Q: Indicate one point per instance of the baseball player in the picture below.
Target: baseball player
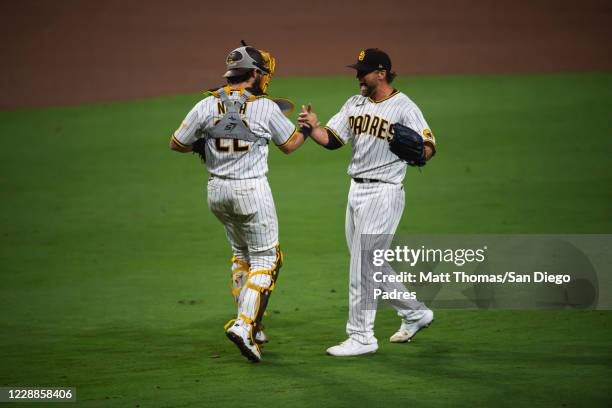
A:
(376, 197)
(231, 129)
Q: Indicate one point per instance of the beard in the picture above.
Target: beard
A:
(255, 89)
(366, 89)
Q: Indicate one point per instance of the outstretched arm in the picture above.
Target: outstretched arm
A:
(293, 143)
(308, 120)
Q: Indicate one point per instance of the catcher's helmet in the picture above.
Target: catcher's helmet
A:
(244, 59)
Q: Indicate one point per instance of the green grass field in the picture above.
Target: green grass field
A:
(115, 274)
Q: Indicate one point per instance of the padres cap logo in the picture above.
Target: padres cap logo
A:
(361, 56)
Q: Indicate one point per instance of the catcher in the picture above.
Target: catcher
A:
(230, 129)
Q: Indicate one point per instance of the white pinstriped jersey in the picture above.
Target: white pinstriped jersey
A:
(236, 159)
(368, 125)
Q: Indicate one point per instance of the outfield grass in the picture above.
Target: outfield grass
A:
(114, 273)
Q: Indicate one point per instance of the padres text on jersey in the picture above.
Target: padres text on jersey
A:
(368, 125)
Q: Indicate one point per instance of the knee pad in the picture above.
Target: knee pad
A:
(269, 259)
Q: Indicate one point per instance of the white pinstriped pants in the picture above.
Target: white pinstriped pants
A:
(373, 208)
(246, 210)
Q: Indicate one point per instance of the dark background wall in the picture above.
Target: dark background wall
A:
(73, 51)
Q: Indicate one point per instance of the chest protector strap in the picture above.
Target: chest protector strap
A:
(231, 125)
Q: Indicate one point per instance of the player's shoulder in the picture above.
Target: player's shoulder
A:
(355, 100)
(396, 97)
(203, 106)
(266, 106)
(208, 99)
(264, 100)
(401, 97)
(403, 100)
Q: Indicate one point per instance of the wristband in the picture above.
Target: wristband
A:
(306, 131)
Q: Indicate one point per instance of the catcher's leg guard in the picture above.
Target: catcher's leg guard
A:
(254, 297)
(240, 271)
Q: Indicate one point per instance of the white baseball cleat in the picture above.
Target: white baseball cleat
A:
(261, 338)
(408, 330)
(350, 347)
(242, 338)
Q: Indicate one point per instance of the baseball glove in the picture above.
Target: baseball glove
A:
(199, 148)
(407, 145)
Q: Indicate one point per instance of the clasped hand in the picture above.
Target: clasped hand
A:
(307, 118)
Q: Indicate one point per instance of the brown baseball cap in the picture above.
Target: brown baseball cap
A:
(372, 59)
